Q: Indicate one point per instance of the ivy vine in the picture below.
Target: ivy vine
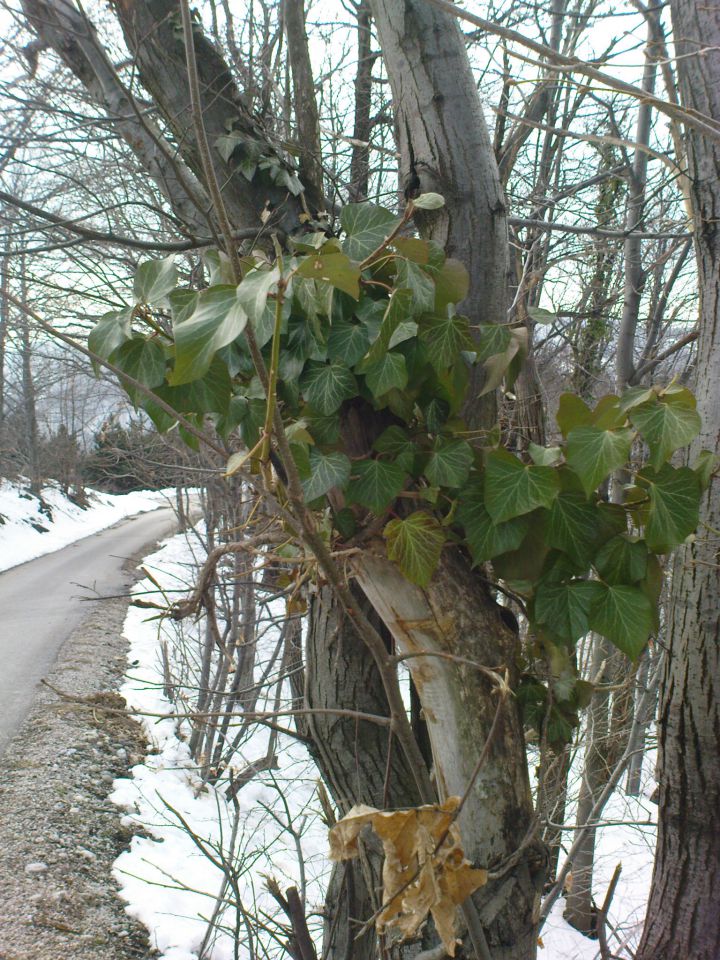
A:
(368, 321)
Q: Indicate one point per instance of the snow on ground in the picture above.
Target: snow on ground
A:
(31, 527)
(172, 886)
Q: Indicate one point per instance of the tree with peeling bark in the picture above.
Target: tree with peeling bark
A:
(358, 354)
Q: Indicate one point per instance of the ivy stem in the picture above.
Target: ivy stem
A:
(273, 371)
(407, 214)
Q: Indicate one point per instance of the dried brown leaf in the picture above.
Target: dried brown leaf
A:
(420, 874)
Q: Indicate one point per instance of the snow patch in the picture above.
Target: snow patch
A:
(32, 526)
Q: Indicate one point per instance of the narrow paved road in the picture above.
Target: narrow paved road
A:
(41, 605)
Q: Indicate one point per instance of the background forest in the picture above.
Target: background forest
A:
(423, 299)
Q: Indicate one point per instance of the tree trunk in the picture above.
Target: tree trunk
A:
(357, 759)
(683, 920)
(445, 630)
(445, 147)
(362, 128)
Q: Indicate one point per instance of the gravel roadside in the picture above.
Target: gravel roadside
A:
(59, 834)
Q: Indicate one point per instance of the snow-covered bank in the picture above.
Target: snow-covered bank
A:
(31, 527)
(172, 886)
(168, 882)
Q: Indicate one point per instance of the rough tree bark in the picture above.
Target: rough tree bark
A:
(683, 920)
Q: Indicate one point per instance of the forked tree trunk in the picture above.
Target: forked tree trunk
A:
(683, 920)
(446, 629)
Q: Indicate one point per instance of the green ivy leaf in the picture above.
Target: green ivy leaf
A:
(572, 526)
(594, 453)
(399, 309)
(449, 463)
(565, 607)
(572, 412)
(324, 429)
(375, 484)
(622, 560)
(335, 269)
(429, 201)
(415, 544)
(325, 386)
(217, 320)
(254, 289)
(385, 374)
(395, 442)
(544, 456)
(705, 466)
(327, 470)
(666, 424)
(366, 226)
(512, 488)
(142, 359)
(452, 283)
(412, 277)
(541, 315)
(486, 539)
(110, 332)
(623, 614)
(634, 396)
(154, 280)
(445, 338)
(674, 505)
(209, 394)
(348, 342)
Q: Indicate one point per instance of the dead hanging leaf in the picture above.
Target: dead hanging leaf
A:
(417, 878)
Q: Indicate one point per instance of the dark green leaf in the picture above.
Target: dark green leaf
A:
(486, 539)
(325, 386)
(666, 424)
(110, 332)
(420, 285)
(594, 453)
(154, 280)
(565, 607)
(623, 614)
(415, 544)
(327, 470)
(335, 269)
(398, 311)
(366, 227)
(348, 342)
(217, 320)
(144, 360)
(385, 374)
(512, 488)
(446, 338)
(572, 526)
(449, 463)
(395, 442)
(622, 560)
(210, 394)
(674, 505)
(375, 484)
(345, 523)
(572, 412)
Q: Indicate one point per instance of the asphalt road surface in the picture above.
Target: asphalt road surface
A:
(41, 604)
